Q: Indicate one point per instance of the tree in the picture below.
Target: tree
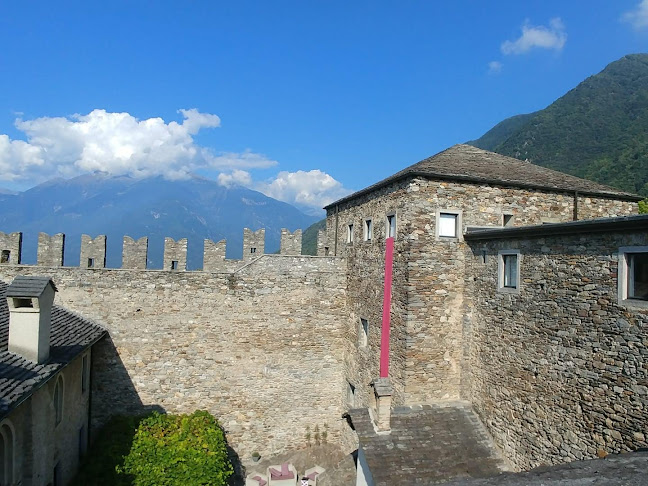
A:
(643, 206)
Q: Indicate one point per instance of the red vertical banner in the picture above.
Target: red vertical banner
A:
(386, 315)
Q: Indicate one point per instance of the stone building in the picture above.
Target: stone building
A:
(45, 354)
(468, 278)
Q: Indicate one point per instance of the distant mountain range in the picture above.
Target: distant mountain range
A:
(598, 130)
(195, 208)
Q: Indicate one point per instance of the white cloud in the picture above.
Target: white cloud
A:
(494, 67)
(117, 144)
(551, 37)
(235, 178)
(308, 190)
(637, 17)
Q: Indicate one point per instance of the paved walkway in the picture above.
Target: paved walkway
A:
(428, 444)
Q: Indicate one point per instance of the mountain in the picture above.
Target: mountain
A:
(598, 130)
(309, 237)
(195, 208)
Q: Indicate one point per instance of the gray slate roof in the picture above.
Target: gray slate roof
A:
(428, 444)
(19, 378)
(24, 286)
(470, 164)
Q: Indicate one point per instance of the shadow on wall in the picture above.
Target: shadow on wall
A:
(113, 392)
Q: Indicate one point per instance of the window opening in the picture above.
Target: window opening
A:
(85, 373)
(326, 251)
(637, 276)
(91, 262)
(6, 454)
(507, 220)
(391, 226)
(350, 233)
(253, 250)
(448, 225)
(6, 254)
(510, 271)
(22, 303)
(350, 394)
(174, 264)
(363, 332)
(368, 230)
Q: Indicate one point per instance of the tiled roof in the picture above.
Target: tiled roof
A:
(427, 444)
(471, 164)
(19, 378)
(24, 286)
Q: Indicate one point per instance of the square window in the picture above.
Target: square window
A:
(368, 230)
(509, 271)
(507, 219)
(91, 262)
(252, 250)
(391, 226)
(363, 332)
(350, 233)
(6, 256)
(633, 276)
(448, 225)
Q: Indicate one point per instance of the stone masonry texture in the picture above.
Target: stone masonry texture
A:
(291, 243)
(248, 346)
(253, 243)
(50, 249)
(559, 371)
(93, 251)
(10, 247)
(135, 253)
(175, 251)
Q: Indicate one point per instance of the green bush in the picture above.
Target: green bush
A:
(179, 450)
(159, 449)
(643, 206)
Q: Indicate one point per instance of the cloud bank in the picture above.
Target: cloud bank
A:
(117, 144)
(120, 144)
(638, 17)
(541, 37)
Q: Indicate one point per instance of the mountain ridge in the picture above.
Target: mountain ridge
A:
(598, 130)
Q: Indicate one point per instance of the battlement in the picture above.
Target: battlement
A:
(51, 250)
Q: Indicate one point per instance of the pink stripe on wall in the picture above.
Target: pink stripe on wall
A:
(384, 336)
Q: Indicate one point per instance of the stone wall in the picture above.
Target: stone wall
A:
(93, 251)
(50, 249)
(291, 243)
(428, 351)
(214, 255)
(559, 369)
(135, 253)
(10, 246)
(261, 348)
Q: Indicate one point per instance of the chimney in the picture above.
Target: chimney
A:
(30, 302)
(381, 405)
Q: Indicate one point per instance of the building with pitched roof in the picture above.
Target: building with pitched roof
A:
(45, 354)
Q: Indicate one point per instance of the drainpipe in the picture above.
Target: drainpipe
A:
(575, 206)
(336, 229)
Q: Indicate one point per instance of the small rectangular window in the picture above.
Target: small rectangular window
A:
(391, 226)
(368, 230)
(507, 220)
(252, 250)
(6, 256)
(91, 262)
(326, 251)
(19, 303)
(363, 332)
(509, 271)
(448, 225)
(350, 233)
(637, 276)
(174, 264)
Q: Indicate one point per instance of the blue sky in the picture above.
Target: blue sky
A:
(303, 100)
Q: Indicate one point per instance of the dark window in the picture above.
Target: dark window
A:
(391, 226)
(363, 332)
(351, 394)
(507, 220)
(90, 262)
(22, 303)
(326, 251)
(252, 250)
(6, 255)
(174, 264)
(637, 276)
